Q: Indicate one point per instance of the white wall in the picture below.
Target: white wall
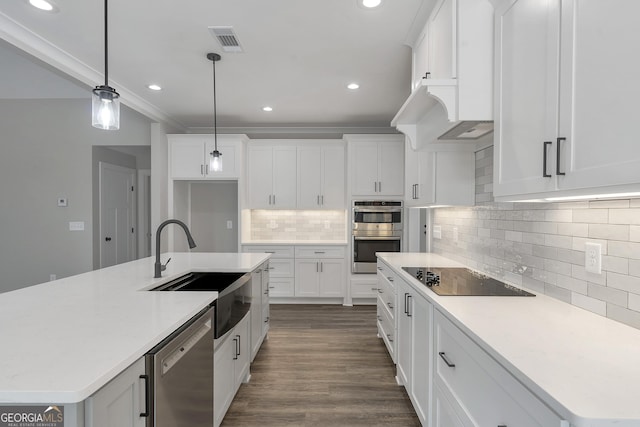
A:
(46, 153)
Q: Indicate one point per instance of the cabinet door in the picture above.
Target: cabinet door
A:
(442, 39)
(260, 177)
(420, 58)
(309, 177)
(527, 72)
(256, 311)
(427, 167)
(599, 97)
(443, 413)
(223, 379)
(411, 163)
(332, 277)
(405, 331)
(284, 178)
(187, 159)
(228, 153)
(118, 403)
(333, 178)
(243, 351)
(364, 169)
(307, 283)
(421, 355)
(391, 168)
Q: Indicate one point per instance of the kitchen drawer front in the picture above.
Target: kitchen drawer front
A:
(265, 319)
(387, 299)
(283, 287)
(320, 252)
(386, 277)
(387, 331)
(281, 268)
(276, 251)
(364, 289)
(486, 391)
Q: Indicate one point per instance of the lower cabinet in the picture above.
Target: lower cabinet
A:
(480, 391)
(259, 307)
(414, 345)
(231, 367)
(120, 402)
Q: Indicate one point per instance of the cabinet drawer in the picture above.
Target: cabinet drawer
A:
(276, 251)
(385, 272)
(281, 268)
(281, 287)
(320, 252)
(387, 331)
(387, 300)
(489, 394)
(364, 289)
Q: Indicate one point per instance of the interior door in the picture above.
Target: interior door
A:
(117, 214)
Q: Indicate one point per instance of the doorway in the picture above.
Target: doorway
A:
(117, 212)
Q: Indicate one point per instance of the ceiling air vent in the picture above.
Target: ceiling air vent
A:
(227, 38)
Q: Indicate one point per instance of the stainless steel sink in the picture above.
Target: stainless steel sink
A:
(201, 282)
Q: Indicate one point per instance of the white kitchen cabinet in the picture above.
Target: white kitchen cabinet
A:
(439, 178)
(259, 307)
(321, 177)
(189, 156)
(231, 367)
(320, 271)
(479, 386)
(281, 268)
(271, 176)
(414, 347)
(444, 414)
(377, 164)
(387, 308)
(563, 127)
(120, 402)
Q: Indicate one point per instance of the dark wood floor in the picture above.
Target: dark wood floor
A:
(322, 365)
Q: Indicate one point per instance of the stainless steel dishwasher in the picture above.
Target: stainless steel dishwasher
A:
(179, 376)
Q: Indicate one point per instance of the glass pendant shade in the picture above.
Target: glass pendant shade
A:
(105, 108)
(215, 161)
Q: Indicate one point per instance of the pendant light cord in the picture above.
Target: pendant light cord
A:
(215, 119)
(106, 47)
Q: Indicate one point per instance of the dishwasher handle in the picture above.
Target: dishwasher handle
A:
(175, 356)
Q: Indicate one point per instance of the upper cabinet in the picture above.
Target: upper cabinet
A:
(377, 164)
(437, 178)
(452, 76)
(189, 156)
(321, 175)
(565, 102)
(271, 176)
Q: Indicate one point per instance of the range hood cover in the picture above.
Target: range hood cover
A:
(468, 131)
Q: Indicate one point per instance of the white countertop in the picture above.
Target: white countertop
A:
(585, 366)
(296, 242)
(63, 340)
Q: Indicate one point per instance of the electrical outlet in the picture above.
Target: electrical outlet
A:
(593, 258)
(437, 232)
(273, 224)
(327, 225)
(455, 234)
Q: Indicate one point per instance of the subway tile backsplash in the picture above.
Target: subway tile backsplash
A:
(302, 225)
(541, 246)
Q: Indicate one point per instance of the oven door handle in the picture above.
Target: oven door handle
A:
(376, 238)
(380, 211)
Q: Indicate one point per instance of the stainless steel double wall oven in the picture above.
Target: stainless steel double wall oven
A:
(377, 227)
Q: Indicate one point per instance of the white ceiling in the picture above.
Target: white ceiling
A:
(298, 57)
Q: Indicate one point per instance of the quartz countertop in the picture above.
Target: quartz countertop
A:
(584, 366)
(64, 340)
(296, 242)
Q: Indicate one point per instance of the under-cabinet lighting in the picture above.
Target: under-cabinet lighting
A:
(593, 196)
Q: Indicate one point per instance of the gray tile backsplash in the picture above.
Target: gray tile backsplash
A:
(541, 246)
(304, 225)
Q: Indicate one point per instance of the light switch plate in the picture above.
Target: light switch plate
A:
(229, 224)
(437, 232)
(76, 225)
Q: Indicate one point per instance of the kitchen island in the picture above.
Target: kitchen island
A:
(581, 366)
(64, 340)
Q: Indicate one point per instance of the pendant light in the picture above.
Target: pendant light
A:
(215, 161)
(105, 105)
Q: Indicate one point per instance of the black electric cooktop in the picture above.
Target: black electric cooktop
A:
(462, 281)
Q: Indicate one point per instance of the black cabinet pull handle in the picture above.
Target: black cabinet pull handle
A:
(238, 344)
(406, 309)
(544, 159)
(558, 155)
(147, 396)
(409, 306)
(449, 364)
(235, 353)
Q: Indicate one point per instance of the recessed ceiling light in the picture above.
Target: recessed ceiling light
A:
(353, 86)
(154, 87)
(370, 3)
(267, 108)
(44, 5)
